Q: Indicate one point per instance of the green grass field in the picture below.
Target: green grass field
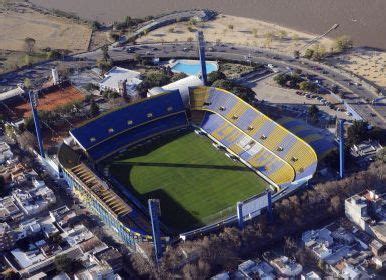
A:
(196, 183)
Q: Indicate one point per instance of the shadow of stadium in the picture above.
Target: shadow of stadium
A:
(176, 217)
(185, 165)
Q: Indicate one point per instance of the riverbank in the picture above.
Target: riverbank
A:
(237, 30)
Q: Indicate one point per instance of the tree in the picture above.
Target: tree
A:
(254, 32)
(313, 113)
(114, 36)
(105, 52)
(53, 54)
(26, 140)
(224, 84)
(95, 25)
(214, 76)
(319, 52)
(65, 264)
(2, 186)
(296, 54)
(382, 154)
(269, 36)
(94, 108)
(57, 239)
(343, 43)
(193, 21)
(230, 26)
(29, 44)
(309, 53)
(104, 65)
(27, 60)
(178, 76)
(282, 34)
(280, 79)
(295, 37)
(357, 132)
(27, 83)
(307, 86)
(290, 246)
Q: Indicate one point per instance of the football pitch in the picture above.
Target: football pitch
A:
(196, 183)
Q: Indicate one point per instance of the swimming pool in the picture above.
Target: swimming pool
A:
(192, 67)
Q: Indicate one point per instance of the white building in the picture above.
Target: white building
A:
(310, 276)
(5, 152)
(113, 79)
(367, 212)
(5, 96)
(286, 267)
(26, 259)
(35, 200)
(221, 276)
(182, 85)
(77, 235)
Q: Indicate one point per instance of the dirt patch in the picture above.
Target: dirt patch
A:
(237, 30)
(51, 101)
(98, 39)
(48, 31)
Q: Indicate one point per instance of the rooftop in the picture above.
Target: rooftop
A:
(286, 266)
(118, 74)
(11, 93)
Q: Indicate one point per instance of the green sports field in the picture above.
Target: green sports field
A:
(196, 183)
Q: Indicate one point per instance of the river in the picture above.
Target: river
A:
(363, 20)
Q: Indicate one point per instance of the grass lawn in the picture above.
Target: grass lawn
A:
(196, 183)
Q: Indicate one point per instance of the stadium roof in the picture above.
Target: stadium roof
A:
(116, 122)
(266, 133)
(183, 86)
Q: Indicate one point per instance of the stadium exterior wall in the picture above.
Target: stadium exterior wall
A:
(129, 237)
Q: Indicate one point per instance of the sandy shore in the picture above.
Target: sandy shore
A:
(238, 30)
(368, 63)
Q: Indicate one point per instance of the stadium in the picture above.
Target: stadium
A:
(200, 152)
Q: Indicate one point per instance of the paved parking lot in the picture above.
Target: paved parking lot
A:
(268, 91)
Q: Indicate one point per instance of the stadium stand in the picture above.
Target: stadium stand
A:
(316, 138)
(116, 130)
(281, 147)
(258, 156)
(128, 221)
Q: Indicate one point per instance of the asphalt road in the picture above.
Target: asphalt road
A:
(358, 97)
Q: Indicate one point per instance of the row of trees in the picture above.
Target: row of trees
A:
(294, 81)
(318, 51)
(313, 208)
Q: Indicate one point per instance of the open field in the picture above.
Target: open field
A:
(51, 101)
(48, 31)
(194, 181)
(238, 30)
